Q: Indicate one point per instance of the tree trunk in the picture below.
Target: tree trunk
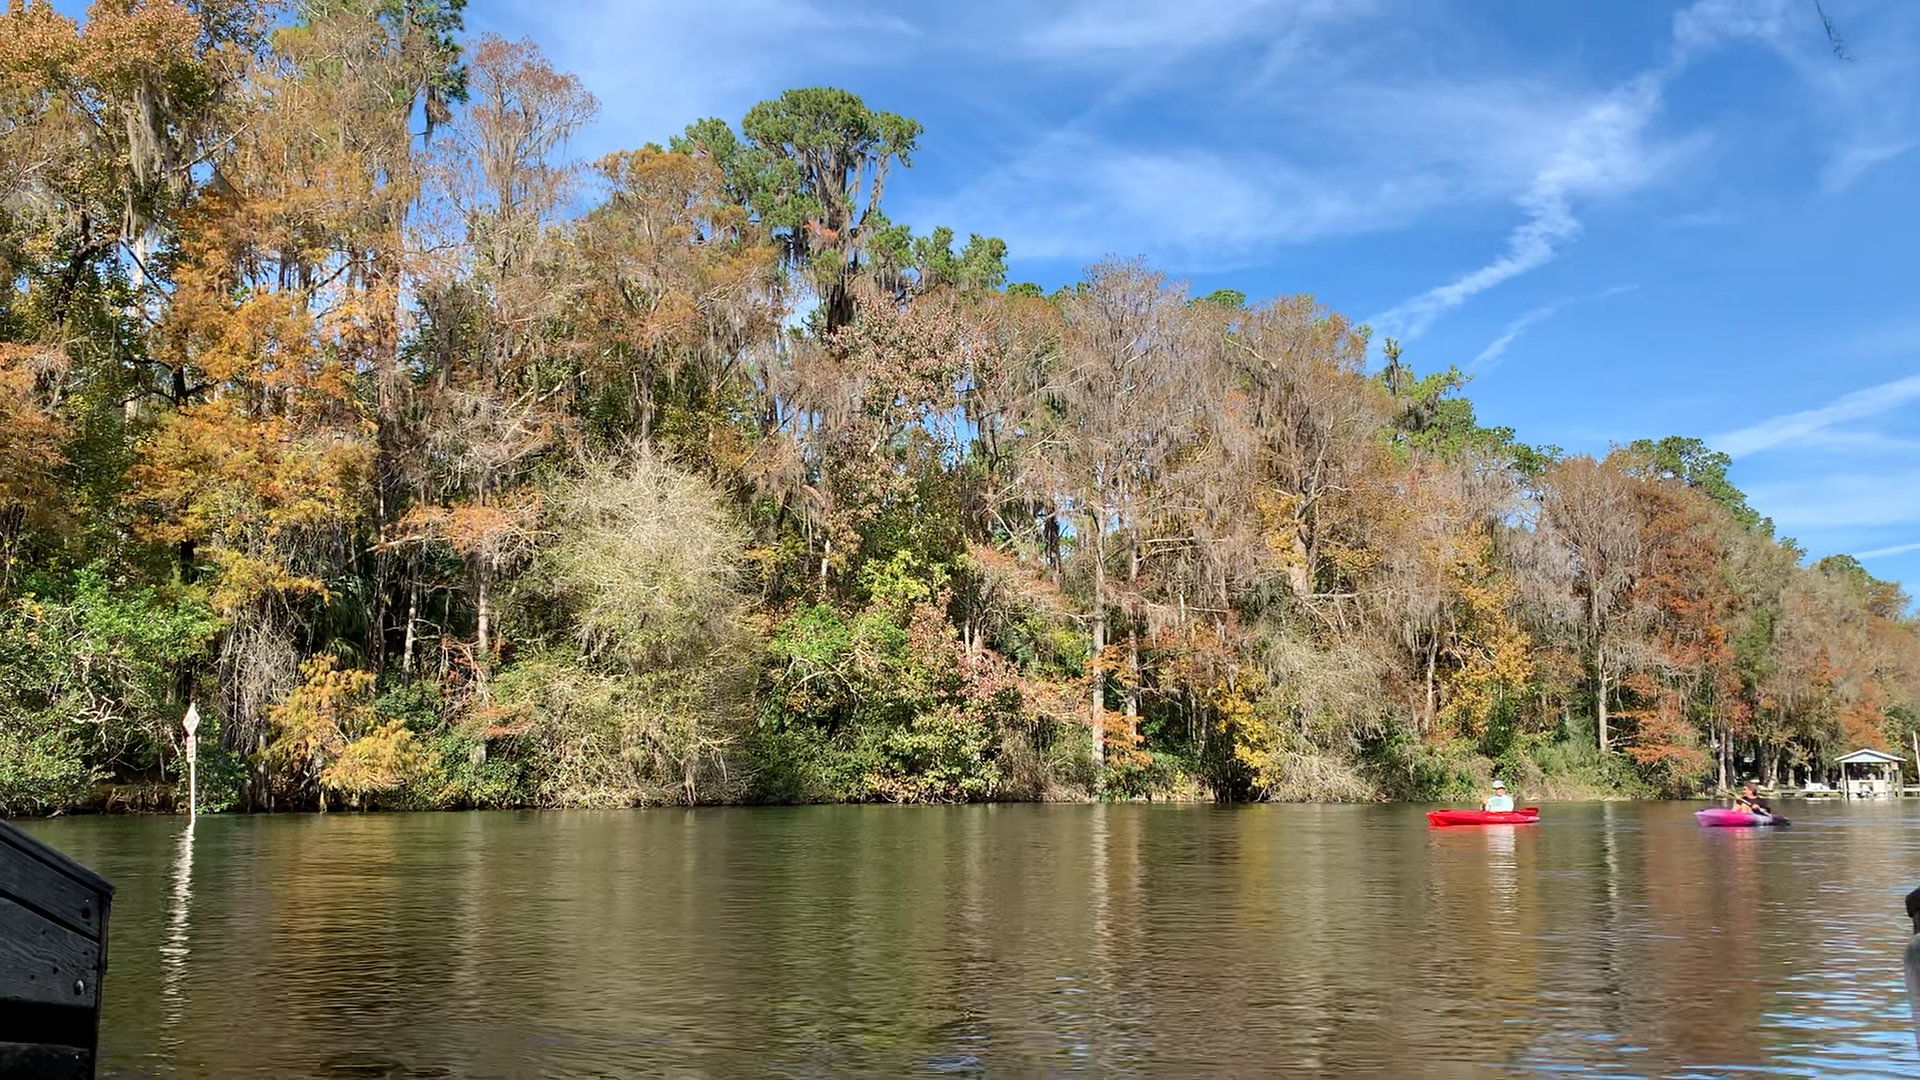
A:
(1133, 642)
(1099, 648)
(1594, 626)
(1600, 698)
(413, 624)
(646, 408)
(1433, 649)
(484, 615)
(1300, 570)
(1054, 562)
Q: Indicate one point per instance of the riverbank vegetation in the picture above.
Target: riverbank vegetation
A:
(444, 470)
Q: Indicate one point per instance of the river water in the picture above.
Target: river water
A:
(1609, 940)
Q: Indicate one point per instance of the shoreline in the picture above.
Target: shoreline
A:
(1621, 797)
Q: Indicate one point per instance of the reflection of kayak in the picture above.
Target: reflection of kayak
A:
(1526, 815)
(1729, 818)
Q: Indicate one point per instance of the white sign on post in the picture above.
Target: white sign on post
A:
(192, 724)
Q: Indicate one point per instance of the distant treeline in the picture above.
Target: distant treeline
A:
(442, 470)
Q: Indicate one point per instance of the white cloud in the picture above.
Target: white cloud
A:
(1792, 428)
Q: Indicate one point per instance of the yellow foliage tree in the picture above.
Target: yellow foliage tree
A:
(1490, 655)
(328, 735)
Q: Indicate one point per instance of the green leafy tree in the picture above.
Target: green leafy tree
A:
(1695, 464)
(813, 165)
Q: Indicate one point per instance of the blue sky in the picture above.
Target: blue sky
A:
(1623, 218)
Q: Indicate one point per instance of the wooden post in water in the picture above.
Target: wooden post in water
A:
(53, 952)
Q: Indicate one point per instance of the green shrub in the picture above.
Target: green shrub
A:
(42, 766)
(89, 671)
(466, 774)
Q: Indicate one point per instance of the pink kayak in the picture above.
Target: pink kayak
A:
(1526, 815)
(1727, 818)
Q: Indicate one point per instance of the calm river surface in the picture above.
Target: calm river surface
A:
(1609, 940)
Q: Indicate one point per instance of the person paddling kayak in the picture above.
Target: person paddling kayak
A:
(1748, 809)
(1499, 802)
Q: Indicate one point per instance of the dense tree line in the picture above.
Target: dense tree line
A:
(442, 469)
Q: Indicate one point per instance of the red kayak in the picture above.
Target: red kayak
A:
(1526, 815)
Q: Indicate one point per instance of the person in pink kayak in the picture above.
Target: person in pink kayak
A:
(1749, 800)
(1499, 802)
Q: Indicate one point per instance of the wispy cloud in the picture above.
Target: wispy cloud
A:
(1701, 219)
(1835, 505)
(1853, 161)
(1865, 105)
(1859, 443)
(1708, 24)
(1881, 553)
(1089, 32)
(1608, 151)
(1605, 151)
(1346, 156)
(1201, 209)
(1897, 338)
(1205, 134)
(1490, 355)
(1530, 247)
(1797, 426)
(1865, 108)
(657, 66)
(1100, 183)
